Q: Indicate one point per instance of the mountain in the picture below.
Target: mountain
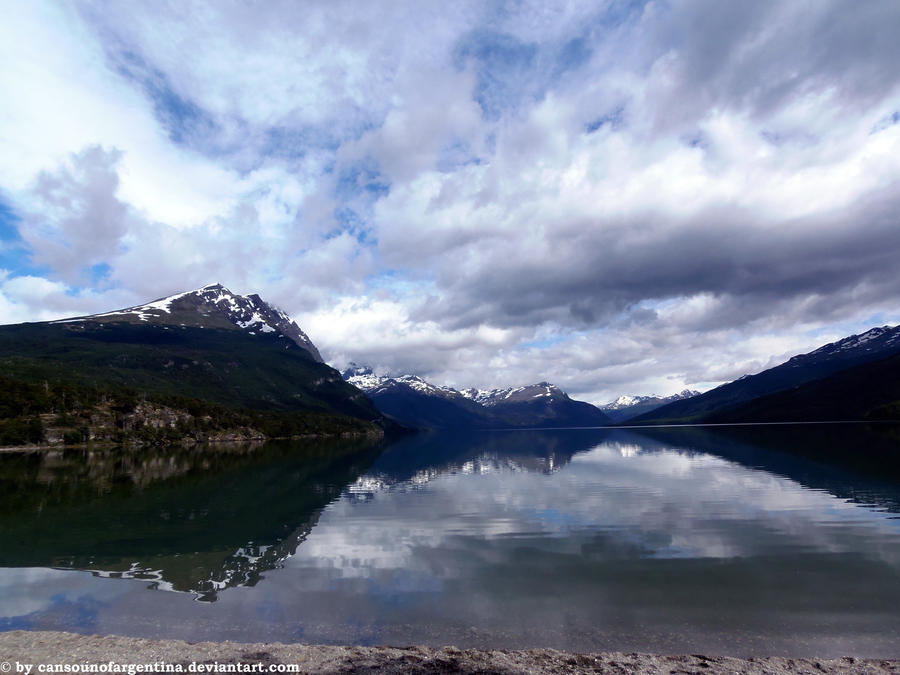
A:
(728, 401)
(870, 391)
(203, 358)
(240, 512)
(626, 407)
(212, 306)
(411, 400)
(542, 405)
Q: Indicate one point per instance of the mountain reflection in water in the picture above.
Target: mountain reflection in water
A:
(198, 520)
(731, 540)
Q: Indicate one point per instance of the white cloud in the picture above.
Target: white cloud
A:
(614, 480)
(66, 98)
(622, 201)
(34, 298)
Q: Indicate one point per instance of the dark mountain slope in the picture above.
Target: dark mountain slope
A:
(876, 344)
(544, 405)
(627, 407)
(232, 368)
(869, 391)
(212, 306)
(200, 349)
(409, 406)
(413, 401)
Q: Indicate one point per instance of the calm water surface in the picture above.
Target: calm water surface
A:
(752, 540)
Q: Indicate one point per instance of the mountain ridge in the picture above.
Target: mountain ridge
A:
(212, 306)
(881, 342)
(210, 362)
(412, 400)
(627, 407)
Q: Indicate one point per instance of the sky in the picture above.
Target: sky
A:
(618, 197)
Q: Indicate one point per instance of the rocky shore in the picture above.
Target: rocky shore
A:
(33, 647)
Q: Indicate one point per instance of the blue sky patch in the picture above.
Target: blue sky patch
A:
(350, 222)
(14, 253)
(574, 54)
(625, 11)
(287, 142)
(614, 120)
(886, 122)
(456, 154)
(9, 224)
(546, 342)
(185, 122)
(99, 273)
(502, 64)
(361, 179)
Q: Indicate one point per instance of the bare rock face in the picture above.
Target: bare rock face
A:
(154, 416)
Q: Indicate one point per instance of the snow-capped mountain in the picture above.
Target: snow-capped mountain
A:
(209, 345)
(493, 397)
(626, 406)
(363, 378)
(624, 402)
(543, 404)
(483, 395)
(877, 340)
(414, 401)
(729, 402)
(212, 306)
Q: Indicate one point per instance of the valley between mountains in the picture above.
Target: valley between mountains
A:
(210, 365)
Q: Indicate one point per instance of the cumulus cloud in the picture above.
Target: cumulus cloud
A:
(621, 197)
(32, 298)
(79, 222)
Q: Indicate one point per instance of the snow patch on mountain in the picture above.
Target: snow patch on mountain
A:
(877, 338)
(482, 395)
(363, 377)
(625, 402)
(208, 305)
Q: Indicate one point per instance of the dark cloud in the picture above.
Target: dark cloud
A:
(502, 62)
(485, 193)
(81, 221)
(584, 279)
(760, 56)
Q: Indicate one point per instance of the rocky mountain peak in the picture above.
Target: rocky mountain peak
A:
(355, 370)
(873, 340)
(213, 306)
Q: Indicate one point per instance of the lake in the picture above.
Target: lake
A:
(741, 541)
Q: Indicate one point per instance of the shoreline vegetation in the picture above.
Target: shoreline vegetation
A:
(44, 647)
(148, 384)
(50, 416)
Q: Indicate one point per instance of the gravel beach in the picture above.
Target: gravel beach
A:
(32, 647)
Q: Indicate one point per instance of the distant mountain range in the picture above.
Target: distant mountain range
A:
(626, 407)
(192, 365)
(210, 364)
(412, 401)
(855, 378)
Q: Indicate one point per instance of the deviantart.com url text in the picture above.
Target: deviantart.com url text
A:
(155, 667)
